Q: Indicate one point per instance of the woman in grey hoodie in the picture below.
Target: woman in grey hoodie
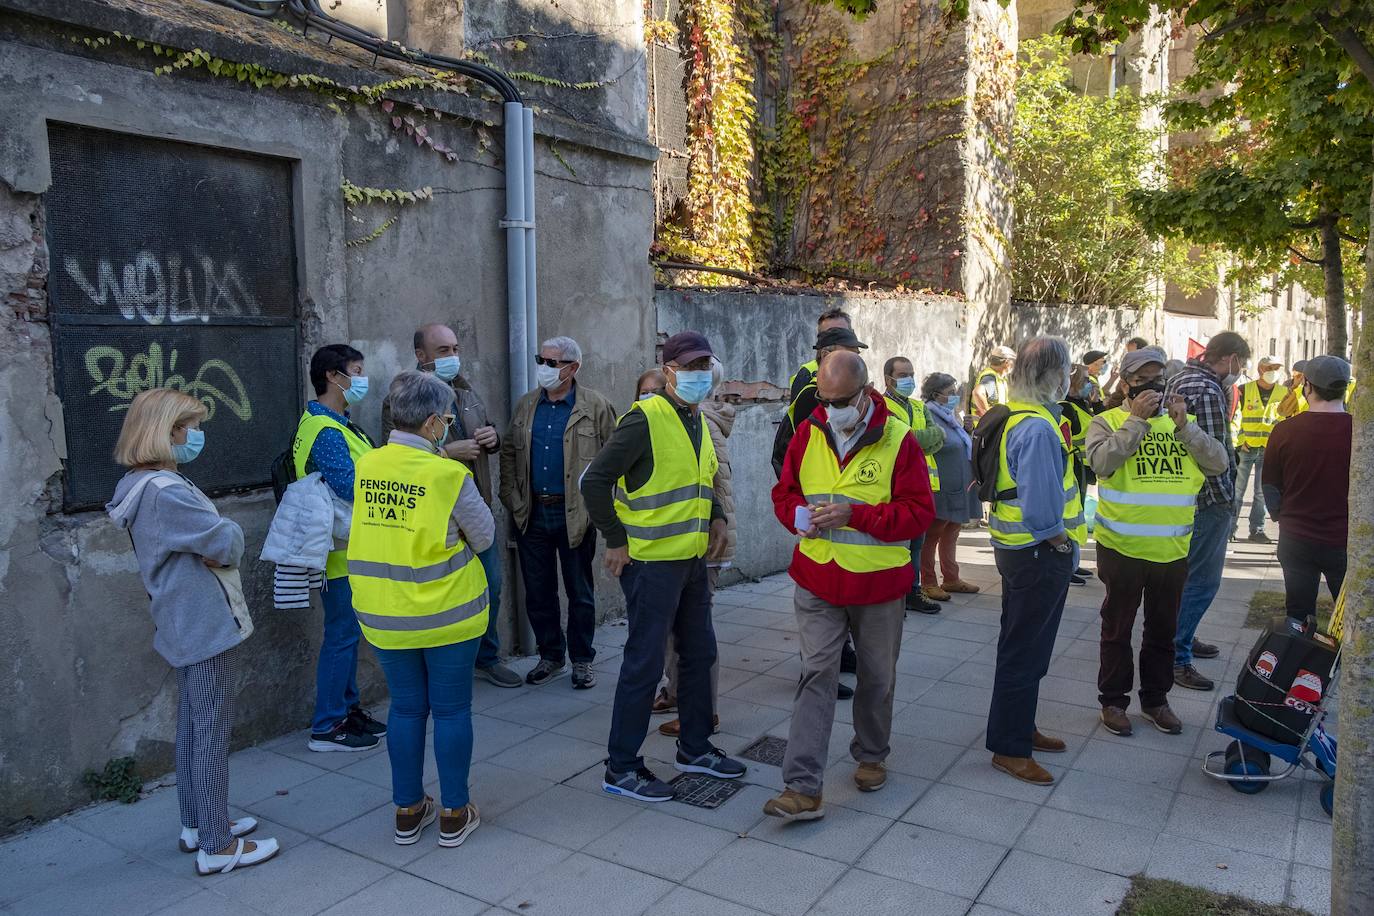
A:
(179, 540)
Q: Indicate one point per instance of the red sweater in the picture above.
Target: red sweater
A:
(905, 518)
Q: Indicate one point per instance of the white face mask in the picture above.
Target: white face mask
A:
(1271, 377)
(842, 420)
(547, 376)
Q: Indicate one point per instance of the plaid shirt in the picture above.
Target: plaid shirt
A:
(1201, 390)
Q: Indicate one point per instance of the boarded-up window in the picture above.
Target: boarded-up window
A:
(668, 111)
(172, 265)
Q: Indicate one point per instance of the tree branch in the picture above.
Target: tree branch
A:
(1354, 45)
(1309, 260)
(1239, 22)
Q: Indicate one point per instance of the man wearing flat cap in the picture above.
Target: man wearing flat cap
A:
(650, 492)
(1307, 484)
(990, 387)
(1150, 458)
(1095, 361)
(804, 402)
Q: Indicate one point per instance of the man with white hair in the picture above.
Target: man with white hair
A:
(1036, 525)
(555, 432)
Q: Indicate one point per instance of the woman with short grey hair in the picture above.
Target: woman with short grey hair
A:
(420, 594)
(956, 502)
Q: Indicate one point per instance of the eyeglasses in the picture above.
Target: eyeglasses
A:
(831, 403)
(555, 363)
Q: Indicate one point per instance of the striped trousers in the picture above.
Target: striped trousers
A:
(205, 717)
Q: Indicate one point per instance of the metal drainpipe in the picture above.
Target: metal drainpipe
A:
(531, 281)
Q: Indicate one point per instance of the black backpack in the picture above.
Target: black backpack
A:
(283, 473)
(987, 439)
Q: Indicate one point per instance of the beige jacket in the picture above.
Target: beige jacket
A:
(720, 420)
(590, 426)
(1107, 450)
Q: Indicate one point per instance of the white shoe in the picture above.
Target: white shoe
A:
(207, 864)
(190, 836)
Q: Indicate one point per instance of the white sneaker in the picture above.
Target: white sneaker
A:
(190, 836)
(207, 864)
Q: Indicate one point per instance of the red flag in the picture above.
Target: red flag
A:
(1195, 349)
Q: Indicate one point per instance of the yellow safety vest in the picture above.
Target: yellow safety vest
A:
(914, 416)
(1006, 523)
(1350, 390)
(411, 590)
(1000, 397)
(1145, 508)
(810, 366)
(865, 481)
(669, 517)
(1080, 438)
(1256, 418)
(307, 431)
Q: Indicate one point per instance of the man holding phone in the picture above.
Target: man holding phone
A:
(854, 487)
(1151, 458)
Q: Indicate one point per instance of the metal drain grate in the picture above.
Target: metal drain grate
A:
(702, 791)
(768, 749)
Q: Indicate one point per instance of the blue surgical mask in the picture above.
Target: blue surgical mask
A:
(693, 385)
(188, 450)
(952, 402)
(356, 390)
(648, 394)
(905, 386)
(446, 367)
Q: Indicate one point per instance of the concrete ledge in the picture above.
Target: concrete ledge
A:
(187, 24)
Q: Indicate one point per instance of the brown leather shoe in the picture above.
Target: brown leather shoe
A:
(664, 703)
(1164, 719)
(1024, 769)
(870, 776)
(673, 728)
(793, 806)
(1046, 744)
(959, 586)
(934, 593)
(1190, 677)
(1116, 721)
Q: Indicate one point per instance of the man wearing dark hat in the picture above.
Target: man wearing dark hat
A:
(1095, 361)
(1150, 463)
(650, 493)
(1294, 403)
(1306, 478)
(804, 399)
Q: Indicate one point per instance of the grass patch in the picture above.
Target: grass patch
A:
(1153, 897)
(1267, 607)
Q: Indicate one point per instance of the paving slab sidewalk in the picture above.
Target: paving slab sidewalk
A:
(948, 835)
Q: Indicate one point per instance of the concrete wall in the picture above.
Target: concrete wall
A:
(81, 681)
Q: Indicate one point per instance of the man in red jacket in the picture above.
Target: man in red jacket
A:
(854, 486)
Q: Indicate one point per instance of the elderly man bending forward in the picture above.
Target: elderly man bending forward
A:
(855, 487)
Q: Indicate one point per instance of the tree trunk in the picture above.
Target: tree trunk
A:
(1333, 272)
(1352, 841)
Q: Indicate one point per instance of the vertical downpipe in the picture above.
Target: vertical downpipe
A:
(531, 278)
(516, 317)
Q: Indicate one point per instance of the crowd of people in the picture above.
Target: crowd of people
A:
(876, 478)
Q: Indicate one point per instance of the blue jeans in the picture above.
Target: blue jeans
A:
(422, 681)
(489, 653)
(1206, 558)
(336, 675)
(1247, 461)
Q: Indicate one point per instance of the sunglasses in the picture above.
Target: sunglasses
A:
(832, 403)
(555, 363)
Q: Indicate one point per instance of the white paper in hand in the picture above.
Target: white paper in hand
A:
(802, 520)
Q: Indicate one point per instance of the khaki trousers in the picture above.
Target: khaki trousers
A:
(822, 628)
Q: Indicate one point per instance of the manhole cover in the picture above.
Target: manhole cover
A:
(702, 791)
(768, 749)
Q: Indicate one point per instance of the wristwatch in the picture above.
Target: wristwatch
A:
(1066, 547)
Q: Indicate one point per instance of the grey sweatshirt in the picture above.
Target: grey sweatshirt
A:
(172, 529)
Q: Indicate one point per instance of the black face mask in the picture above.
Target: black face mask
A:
(1135, 391)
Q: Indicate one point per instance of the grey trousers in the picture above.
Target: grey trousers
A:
(822, 627)
(205, 717)
(670, 657)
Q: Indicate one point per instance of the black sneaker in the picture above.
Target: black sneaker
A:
(641, 785)
(342, 738)
(844, 692)
(583, 678)
(849, 659)
(1080, 571)
(712, 763)
(360, 721)
(544, 672)
(1259, 537)
(916, 601)
(1076, 579)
